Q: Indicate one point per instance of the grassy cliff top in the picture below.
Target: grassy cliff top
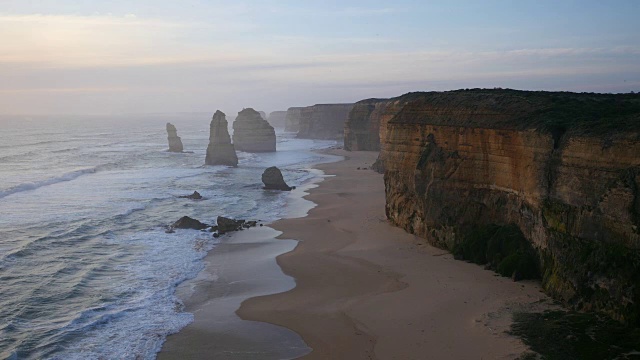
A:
(587, 113)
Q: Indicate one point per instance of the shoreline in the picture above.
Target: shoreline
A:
(241, 266)
(367, 290)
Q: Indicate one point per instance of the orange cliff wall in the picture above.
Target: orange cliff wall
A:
(457, 160)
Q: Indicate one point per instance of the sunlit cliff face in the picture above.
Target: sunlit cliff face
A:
(161, 57)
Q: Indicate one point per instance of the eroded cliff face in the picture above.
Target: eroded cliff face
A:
(367, 122)
(323, 121)
(292, 121)
(458, 160)
(277, 119)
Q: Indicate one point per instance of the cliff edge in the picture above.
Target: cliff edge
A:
(472, 170)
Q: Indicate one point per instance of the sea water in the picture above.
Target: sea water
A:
(86, 268)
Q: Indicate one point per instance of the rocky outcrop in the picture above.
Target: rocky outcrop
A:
(175, 143)
(273, 180)
(186, 222)
(220, 150)
(563, 168)
(252, 133)
(277, 119)
(323, 121)
(225, 225)
(292, 120)
(195, 196)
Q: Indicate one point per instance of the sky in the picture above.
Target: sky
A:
(157, 56)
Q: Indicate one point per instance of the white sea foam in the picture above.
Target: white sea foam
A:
(50, 181)
(98, 240)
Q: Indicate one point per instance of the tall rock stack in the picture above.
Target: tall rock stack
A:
(220, 150)
(252, 133)
(263, 114)
(277, 119)
(292, 121)
(175, 144)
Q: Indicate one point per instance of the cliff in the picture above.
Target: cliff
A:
(367, 122)
(220, 151)
(474, 171)
(252, 133)
(175, 143)
(323, 121)
(277, 119)
(292, 120)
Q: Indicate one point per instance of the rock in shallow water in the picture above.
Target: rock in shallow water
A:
(186, 222)
(195, 196)
(273, 180)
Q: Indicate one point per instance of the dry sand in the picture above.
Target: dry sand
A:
(367, 290)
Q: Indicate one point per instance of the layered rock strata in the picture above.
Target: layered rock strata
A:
(292, 119)
(252, 133)
(277, 119)
(220, 150)
(175, 143)
(323, 121)
(564, 168)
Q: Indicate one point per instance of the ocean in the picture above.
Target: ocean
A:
(86, 268)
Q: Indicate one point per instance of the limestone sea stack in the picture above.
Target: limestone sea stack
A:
(175, 144)
(252, 133)
(220, 150)
(263, 114)
(273, 180)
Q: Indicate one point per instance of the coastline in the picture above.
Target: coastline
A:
(367, 290)
(241, 266)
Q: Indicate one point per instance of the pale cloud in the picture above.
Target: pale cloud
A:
(131, 62)
(107, 40)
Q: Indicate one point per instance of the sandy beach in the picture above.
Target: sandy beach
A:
(351, 287)
(367, 290)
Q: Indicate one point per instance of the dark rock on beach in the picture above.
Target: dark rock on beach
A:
(273, 180)
(226, 224)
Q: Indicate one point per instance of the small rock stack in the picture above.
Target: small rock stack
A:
(175, 144)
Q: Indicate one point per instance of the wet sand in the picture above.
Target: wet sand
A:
(241, 266)
(368, 290)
